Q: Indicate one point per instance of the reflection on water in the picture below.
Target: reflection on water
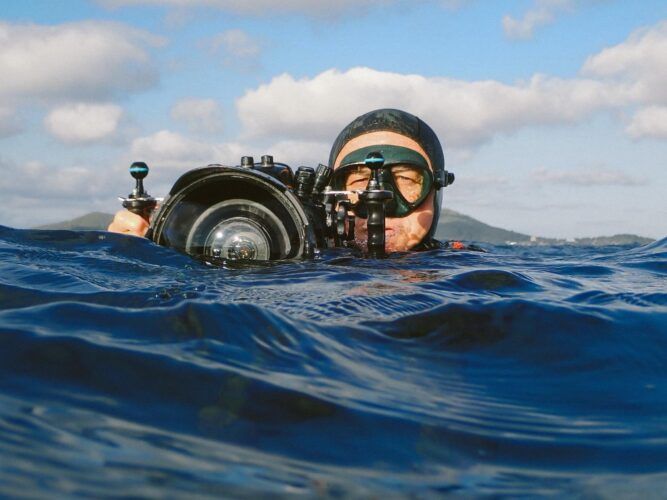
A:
(127, 367)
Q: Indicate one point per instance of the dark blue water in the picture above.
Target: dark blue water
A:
(129, 370)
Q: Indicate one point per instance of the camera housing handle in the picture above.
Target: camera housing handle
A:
(374, 197)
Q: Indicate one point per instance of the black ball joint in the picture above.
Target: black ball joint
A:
(139, 201)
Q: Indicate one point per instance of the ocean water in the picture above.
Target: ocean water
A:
(129, 370)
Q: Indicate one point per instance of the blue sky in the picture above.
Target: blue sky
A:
(553, 112)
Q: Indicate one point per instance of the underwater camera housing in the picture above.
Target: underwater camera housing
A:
(250, 212)
(259, 211)
(246, 212)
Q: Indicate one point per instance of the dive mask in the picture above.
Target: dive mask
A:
(405, 173)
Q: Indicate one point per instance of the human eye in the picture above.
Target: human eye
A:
(358, 179)
(408, 175)
(409, 181)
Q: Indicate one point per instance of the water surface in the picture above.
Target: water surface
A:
(127, 369)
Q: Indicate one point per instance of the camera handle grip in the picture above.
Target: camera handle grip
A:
(141, 207)
(374, 201)
(374, 197)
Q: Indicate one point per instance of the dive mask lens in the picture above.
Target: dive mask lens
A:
(412, 181)
(411, 185)
(406, 173)
(351, 177)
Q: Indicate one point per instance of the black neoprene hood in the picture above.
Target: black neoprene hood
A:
(401, 122)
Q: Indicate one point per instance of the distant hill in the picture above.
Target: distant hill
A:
(93, 221)
(618, 239)
(455, 226)
(452, 226)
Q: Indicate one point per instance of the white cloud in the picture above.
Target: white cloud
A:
(649, 122)
(236, 44)
(78, 61)
(169, 153)
(464, 113)
(182, 10)
(541, 13)
(172, 150)
(585, 178)
(37, 193)
(317, 8)
(236, 49)
(34, 193)
(83, 123)
(297, 153)
(175, 151)
(200, 115)
(640, 62)
(57, 183)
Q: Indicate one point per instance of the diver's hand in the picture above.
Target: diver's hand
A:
(125, 222)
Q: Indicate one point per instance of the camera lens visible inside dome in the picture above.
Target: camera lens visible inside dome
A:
(238, 239)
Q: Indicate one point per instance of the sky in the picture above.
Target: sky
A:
(552, 113)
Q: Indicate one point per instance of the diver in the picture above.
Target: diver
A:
(415, 172)
(412, 175)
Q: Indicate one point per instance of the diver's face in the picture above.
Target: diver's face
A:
(401, 233)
